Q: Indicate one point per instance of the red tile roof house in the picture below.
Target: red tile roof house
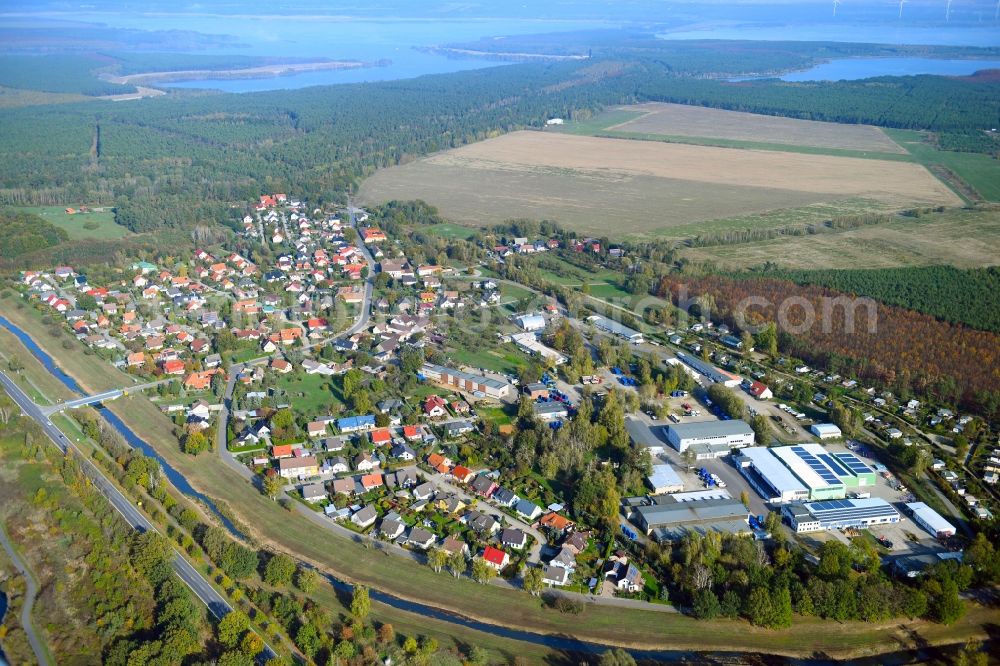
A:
(412, 433)
(173, 367)
(200, 381)
(555, 522)
(437, 460)
(371, 481)
(434, 406)
(462, 474)
(495, 557)
(381, 437)
(760, 391)
(281, 451)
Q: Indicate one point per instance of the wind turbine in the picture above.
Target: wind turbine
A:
(901, 3)
(947, 11)
(996, 12)
(836, 3)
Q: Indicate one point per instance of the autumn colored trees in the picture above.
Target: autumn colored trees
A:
(889, 346)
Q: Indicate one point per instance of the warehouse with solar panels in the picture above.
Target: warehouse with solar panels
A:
(840, 514)
(804, 472)
(769, 477)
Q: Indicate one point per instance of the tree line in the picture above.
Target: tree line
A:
(24, 233)
(887, 345)
(960, 296)
(170, 161)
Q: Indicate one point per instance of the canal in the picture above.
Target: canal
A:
(565, 644)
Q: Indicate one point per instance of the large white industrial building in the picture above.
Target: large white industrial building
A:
(529, 342)
(731, 434)
(530, 322)
(802, 472)
(769, 476)
(825, 431)
(839, 514)
(717, 375)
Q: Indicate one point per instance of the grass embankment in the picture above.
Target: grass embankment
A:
(290, 532)
(92, 373)
(41, 386)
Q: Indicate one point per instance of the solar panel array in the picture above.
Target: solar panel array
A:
(815, 465)
(853, 463)
(847, 510)
(834, 465)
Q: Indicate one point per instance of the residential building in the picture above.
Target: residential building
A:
(495, 557)
(365, 517)
(291, 468)
(314, 492)
(511, 537)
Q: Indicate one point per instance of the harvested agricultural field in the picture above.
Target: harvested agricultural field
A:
(694, 121)
(961, 238)
(642, 188)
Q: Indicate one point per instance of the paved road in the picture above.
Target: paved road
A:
(443, 483)
(215, 602)
(29, 600)
(360, 324)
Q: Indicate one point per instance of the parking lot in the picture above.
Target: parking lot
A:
(644, 429)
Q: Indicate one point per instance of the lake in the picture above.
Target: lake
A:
(849, 69)
(869, 32)
(339, 38)
(864, 68)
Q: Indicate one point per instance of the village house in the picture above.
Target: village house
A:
(512, 537)
(420, 538)
(365, 517)
(291, 468)
(495, 557)
(364, 462)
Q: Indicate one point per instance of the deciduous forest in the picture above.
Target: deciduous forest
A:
(890, 346)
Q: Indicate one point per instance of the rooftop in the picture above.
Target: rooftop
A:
(675, 513)
(805, 463)
(711, 429)
(772, 469)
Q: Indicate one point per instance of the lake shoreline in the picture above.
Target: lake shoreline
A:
(262, 72)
